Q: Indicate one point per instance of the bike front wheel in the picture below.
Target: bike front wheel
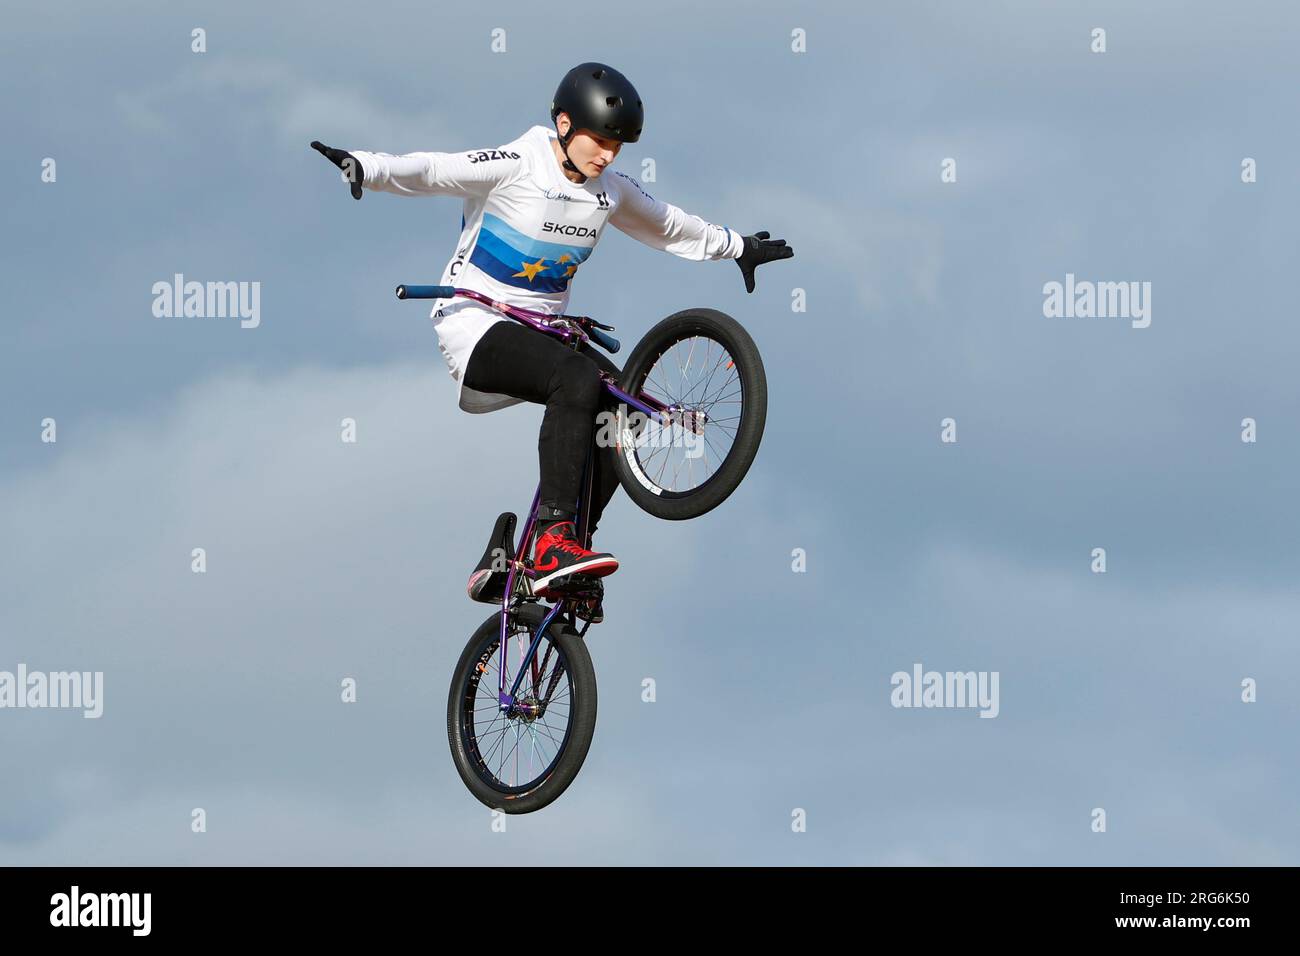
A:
(705, 369)
(520, 760)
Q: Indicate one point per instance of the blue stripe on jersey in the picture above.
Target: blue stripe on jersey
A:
(542, 281)
(502, 251)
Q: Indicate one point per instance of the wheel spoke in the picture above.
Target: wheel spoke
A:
(512, 751)
(702, 382)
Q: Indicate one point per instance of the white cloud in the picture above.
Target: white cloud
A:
(887, 258)
(274, 99)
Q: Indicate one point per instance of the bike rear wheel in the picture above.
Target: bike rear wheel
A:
(704, 365)
(520, 761)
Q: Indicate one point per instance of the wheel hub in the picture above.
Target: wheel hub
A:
(528, 709)
(691, 419)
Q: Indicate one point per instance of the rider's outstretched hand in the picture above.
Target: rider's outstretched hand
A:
(759, 249)
(345, 161)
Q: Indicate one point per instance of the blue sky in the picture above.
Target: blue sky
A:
(1119, 690)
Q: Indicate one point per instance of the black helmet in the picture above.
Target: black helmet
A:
(601, 99)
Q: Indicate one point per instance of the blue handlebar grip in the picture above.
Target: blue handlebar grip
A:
(425, 291)
(607, 342)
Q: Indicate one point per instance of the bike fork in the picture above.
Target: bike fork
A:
(507, 700)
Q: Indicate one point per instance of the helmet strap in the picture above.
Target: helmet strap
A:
(564, 147)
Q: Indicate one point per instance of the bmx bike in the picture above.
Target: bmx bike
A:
(521, 710)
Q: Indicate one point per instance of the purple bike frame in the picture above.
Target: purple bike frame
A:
(574, 330)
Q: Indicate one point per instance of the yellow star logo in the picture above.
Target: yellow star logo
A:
(563, 259)
(570, 271)
(531, 269)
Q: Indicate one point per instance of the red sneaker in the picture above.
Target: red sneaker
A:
(558, 555)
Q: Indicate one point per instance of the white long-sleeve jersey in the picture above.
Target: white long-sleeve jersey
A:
(525, 230)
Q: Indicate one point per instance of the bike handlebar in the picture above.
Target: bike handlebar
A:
(425, 291)
(607, 342)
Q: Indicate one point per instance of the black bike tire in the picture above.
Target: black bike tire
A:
(680, 506)
(582, 714)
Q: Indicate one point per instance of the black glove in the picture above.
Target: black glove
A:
(759, 249)
(344, 161)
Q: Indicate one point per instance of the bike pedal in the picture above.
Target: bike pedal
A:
(576, 586)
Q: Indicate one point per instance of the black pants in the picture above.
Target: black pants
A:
(512, 359)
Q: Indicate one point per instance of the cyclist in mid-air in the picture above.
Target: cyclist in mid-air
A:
(533, 211)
